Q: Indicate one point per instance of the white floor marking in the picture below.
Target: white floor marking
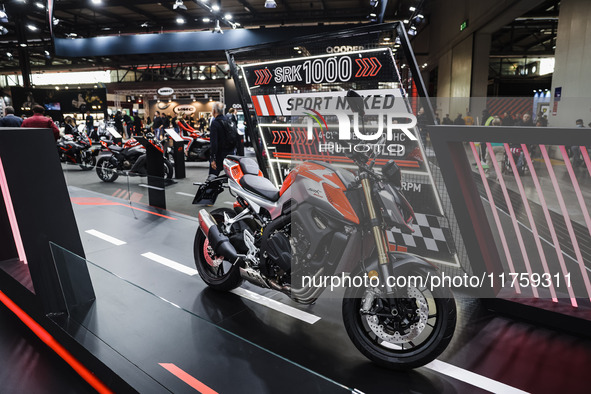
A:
(276, 305)
(185, 194)
(106, 237)
(171, 264)
(150, 187)
(472, 378)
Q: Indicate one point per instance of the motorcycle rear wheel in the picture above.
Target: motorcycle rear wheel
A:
(105, 170)
(406, 349)
(168, 169)
(215, 271)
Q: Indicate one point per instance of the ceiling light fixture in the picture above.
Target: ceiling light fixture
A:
(23, 45)
(32, 27)
(179, 4)
(9, 55)
(206, 20)
(3, 17)
(180, 21)
(39, 5)
(215, 7)
(97, 2)
(270, 4)
(56, 21)
(228, 17)
(412, 9)
(217, 28)
(3, 31)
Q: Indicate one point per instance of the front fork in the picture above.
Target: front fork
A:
(378, 234)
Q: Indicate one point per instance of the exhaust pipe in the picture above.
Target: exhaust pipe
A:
(220, 244)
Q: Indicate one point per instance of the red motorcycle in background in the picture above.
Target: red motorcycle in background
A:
(130, 158)
(77, 149)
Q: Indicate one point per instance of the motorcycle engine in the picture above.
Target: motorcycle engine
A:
(126, 165)
(277, 256)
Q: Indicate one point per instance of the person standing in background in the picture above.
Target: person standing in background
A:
(90, 126)
(119, 124)
(40, 121)
(157, 125)
(220, 145)
(469, 119)
(10, 120)
(231, 116)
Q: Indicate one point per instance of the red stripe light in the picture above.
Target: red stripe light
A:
(50, 341)
(185, 377)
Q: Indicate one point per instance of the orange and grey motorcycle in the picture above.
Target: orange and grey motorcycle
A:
(328, 222)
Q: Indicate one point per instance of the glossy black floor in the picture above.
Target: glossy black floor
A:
(29, 366)
(518, 355)
(487, 349)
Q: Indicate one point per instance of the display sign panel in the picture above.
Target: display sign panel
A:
(323, 108)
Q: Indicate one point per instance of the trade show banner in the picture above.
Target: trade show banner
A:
(325, 108)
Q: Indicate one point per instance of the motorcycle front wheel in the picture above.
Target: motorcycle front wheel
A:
(400, 333)
(105, 170)
(88, 161)
(215, 271)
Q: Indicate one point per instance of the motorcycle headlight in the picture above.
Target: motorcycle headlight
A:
(391, 172)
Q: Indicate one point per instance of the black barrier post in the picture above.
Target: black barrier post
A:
(179, 160)
(178, 146)
(155, 167)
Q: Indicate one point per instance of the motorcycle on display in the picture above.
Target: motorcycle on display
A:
(198, 148)
(130, 157)
(77, 149)
(104, 129)
(327, 222)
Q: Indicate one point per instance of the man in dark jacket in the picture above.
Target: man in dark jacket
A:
(220, 147)
(39, 121)
(10, 120)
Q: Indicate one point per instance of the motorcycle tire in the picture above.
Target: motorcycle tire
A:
(437, 328)
(106, 171)
(88, 161)
(224, 276)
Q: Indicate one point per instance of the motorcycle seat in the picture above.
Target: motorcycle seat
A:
(248, 165)
(260, 186)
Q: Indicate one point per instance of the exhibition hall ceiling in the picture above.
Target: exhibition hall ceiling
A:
(27, 22)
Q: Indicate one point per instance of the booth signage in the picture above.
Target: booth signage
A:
(351, 67)
(327, 126)
(344, 48)
(188, 109)
(165, 91)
